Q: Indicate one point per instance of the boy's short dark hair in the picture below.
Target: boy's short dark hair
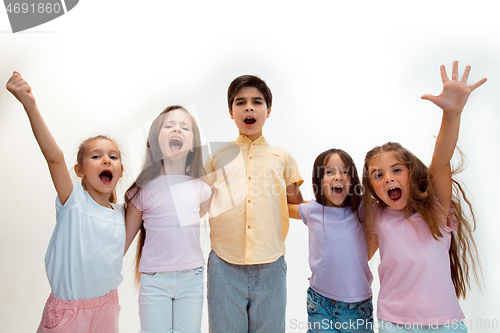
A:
(248, 81)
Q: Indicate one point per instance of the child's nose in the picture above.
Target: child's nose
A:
(388, 178)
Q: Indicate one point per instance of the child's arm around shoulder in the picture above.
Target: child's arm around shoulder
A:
(50, 150)
(293, 211)
(205, 205)
(452, 100)
(293, 194)
(133, 223)
(294, 198)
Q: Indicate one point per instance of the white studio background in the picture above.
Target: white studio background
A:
(343, 74)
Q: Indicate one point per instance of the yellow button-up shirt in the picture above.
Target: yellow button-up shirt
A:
(249, 213)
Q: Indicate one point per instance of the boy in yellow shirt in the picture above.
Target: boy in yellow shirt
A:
(249, 219)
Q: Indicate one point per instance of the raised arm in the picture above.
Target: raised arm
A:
(50, 150)
(452, 100)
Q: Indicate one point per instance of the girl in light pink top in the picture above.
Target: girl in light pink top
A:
(165, 204)
(425, 240)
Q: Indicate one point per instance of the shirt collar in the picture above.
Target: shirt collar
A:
(244, 139)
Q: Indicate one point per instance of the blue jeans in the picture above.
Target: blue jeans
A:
(246, 298)
(327, 315)
(171, 301)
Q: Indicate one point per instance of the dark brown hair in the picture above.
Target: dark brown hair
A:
(248, 81)
(421, 199)
(354, 196)
(153, 167)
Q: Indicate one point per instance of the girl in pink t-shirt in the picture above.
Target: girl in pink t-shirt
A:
(164, 205)
(425, 240)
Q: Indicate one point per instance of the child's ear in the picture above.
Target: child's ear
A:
(79, 170)
(231, 113)
(268, 112)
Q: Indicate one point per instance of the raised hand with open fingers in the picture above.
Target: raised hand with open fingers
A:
(455, 92)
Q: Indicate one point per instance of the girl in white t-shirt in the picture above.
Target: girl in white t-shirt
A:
(84, 257)
(165, 204)
(426, 245)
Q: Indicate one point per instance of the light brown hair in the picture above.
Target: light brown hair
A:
(82, 150)
(153, 167)
(421, 199)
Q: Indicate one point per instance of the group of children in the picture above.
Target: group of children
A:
(410, 212)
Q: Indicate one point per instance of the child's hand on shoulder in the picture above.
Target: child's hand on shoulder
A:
(20, 89)
(455, 93)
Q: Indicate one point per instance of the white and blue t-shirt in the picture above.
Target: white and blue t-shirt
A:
(84, 257)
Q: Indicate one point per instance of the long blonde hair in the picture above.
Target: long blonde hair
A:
(421, 199)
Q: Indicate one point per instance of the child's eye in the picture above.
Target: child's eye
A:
(185, 128)
(114, 157)
(258, 102)
(397, 170)
(239, 103)
(95, 156)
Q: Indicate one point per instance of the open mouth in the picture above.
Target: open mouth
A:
(250, 121)
(338, 190)
(175, 144)
(395, 193)
(106, 176)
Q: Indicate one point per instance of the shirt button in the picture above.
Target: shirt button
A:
(249, 227)
(249, 201)
(250, 178)
(250, 157)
